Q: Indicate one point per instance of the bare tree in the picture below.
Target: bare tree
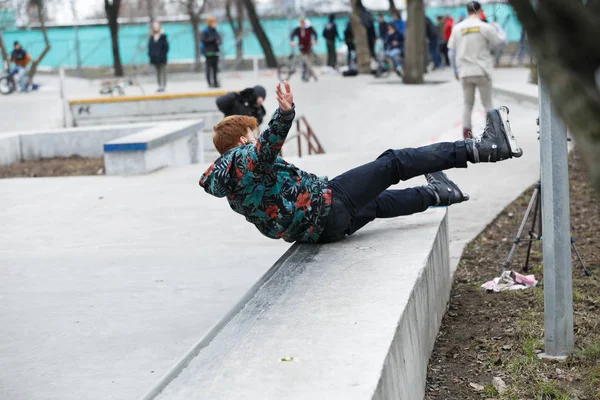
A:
(112, 8)
(151, 8)
(363, 56)
(563, 35)
(236, 26)
(260, 34)
(393, 9)
(41, 16)
(414, 45)
(195, 8)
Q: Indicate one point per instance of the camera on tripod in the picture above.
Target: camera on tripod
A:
(535, 233)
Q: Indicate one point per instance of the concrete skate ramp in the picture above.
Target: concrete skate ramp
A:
(350, 320)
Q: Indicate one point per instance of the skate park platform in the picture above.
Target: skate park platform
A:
(351, 320)
(128, 149)
(156, 107)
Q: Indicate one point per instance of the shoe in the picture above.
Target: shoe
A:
(467, 133)
(444, 190)
(496, 143)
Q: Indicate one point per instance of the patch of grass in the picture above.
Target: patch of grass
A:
(578, 297)
(591, 352)
(530, 346)
(548, 390)
(489, 390)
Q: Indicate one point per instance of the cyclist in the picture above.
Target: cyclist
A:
(21, 59)
(307, 37)
(394, 43)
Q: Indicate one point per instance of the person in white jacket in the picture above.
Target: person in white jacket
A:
(470, 46)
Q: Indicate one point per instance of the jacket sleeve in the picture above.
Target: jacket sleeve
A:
(226, 102)
(166, 45)
(314, 33)
(272, 139)
(294, 33)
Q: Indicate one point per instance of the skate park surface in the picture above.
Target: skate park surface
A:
(108, 281)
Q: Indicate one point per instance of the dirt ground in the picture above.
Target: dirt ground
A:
(486, 336)
(61, 166)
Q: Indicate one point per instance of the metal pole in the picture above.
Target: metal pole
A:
(558, 285)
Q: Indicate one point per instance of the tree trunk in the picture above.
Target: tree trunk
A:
(236, 26)
(3, 51)
(568, 60)
(260, 34)
(195, 21)
(151, 10)
(112, 14)
(414, 48)
(239, 44)
(37, 61)
(363, 55)
(393, 9)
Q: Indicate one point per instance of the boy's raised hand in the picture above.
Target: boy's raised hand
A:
(284, 95)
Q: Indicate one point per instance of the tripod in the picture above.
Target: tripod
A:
(535, 204)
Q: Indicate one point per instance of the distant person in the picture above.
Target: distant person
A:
(285, 202)
(349, 40)
(434, 43)
(307, 38)
(158, 47)
(382, 26)
(366, 19)
(247, 102)
(393, 46)
(523, 47)
(399, 22)
(448, 25)
(211, 42)
(470, 48)
(440, 31)
(331, 35)
(21, 59)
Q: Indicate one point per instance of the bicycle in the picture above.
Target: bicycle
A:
(386, 65)
(289, 68)
(7, 82)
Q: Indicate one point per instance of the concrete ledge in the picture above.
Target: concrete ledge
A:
(165, 145)
(84, 142)
(527, 95)
(354, 320)
(143, 108)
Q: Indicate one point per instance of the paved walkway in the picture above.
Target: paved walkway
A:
(107, 281)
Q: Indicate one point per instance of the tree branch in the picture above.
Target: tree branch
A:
(568, 68)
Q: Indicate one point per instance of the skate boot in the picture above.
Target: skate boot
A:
(497, 142)
(444, 190)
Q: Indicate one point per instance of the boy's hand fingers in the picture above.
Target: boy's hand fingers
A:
(287, 87)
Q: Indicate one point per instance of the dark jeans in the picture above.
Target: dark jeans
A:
(434, 52)
(360, 195)
(212, 68)
(331, 55)
(444, 53)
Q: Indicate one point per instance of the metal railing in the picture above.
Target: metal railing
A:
(312, 142)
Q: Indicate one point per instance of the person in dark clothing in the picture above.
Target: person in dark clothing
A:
(434, 43)
(158, 47)
(349, 39)
(366, 18)
(211, 42)
(382, 27)
(285, 202)
(307, 38)
(393, 45)
(247, 102)
(330, 33)
(21, 59)
(440, 31)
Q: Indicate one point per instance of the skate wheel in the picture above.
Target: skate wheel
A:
(518, 153)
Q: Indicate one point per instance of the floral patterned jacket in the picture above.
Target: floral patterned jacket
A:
(282, 201)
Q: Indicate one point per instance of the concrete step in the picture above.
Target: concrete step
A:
(350, 320)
